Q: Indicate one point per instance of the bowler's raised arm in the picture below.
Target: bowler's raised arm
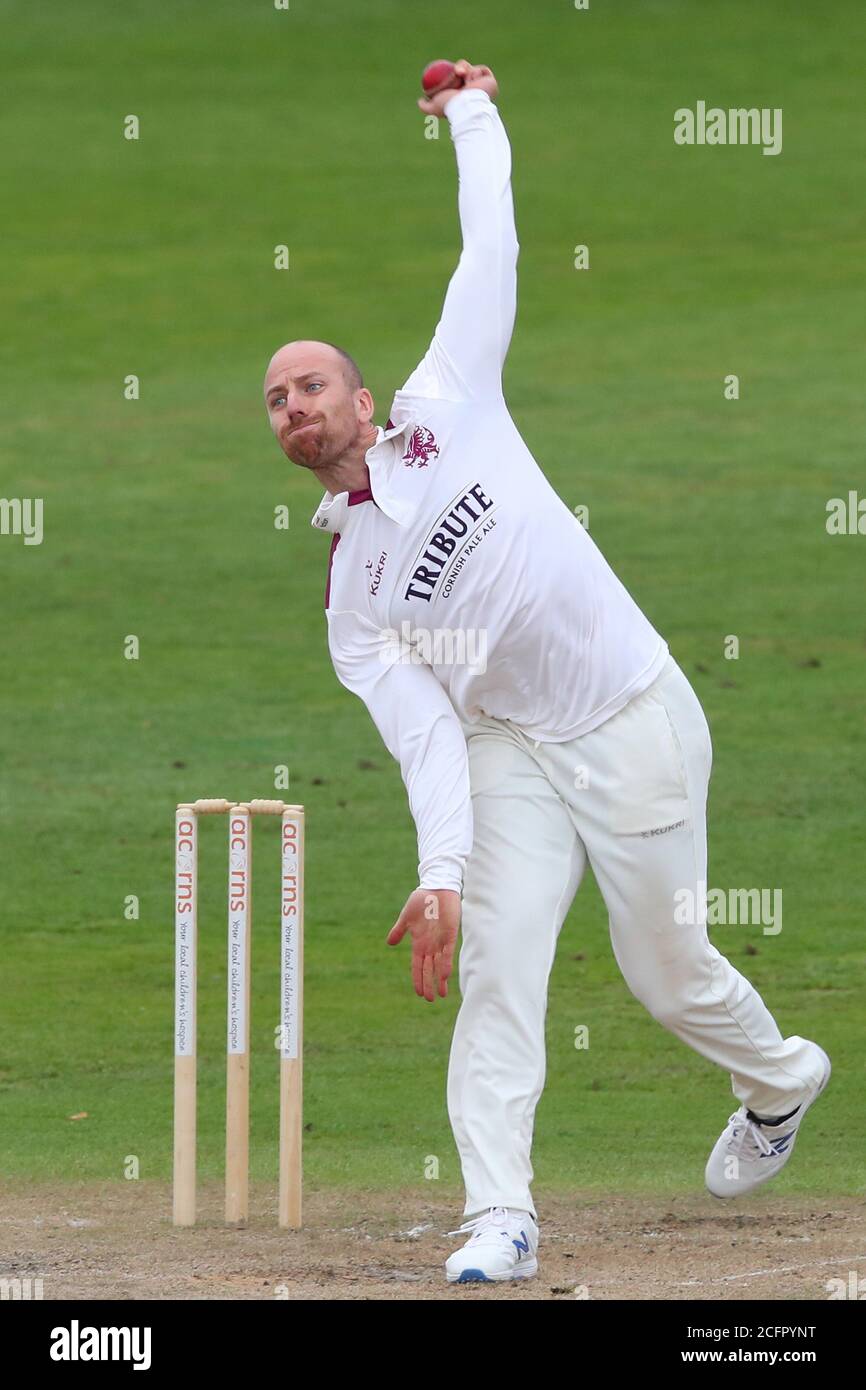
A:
(471, 341)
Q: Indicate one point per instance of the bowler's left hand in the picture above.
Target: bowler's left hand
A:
(432, 917)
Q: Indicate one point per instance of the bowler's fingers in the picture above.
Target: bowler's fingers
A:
(427, 979)
(418, 972)
(442, 970)
(470, 72)
(399, 929)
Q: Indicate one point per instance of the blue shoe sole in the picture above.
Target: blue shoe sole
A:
(477, 1276)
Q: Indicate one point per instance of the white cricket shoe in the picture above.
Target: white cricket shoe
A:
(503, 1245)
(760, 1150)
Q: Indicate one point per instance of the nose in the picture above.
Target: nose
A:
(297, 407)
(294, 412)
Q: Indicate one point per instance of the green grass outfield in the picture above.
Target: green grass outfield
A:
(156, 258)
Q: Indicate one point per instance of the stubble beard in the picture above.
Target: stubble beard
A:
(309, 449)
(318, 449)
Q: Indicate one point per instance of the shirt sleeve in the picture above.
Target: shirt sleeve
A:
(420, 728)
(467, 354)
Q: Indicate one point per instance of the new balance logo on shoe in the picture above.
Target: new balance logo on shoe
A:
(780, 1145)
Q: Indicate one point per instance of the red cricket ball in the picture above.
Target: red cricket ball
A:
(438, 76)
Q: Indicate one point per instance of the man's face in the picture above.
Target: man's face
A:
(314, 414)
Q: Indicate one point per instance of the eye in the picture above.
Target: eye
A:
(276, 401)
(311, 384)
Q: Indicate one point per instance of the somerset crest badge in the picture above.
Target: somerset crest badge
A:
(422, 448)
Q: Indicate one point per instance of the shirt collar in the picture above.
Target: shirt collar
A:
(381, 458)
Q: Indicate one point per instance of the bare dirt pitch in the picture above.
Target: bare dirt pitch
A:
(117, 1242)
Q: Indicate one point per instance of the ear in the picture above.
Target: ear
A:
(365, 406)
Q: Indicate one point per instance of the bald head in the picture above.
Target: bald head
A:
(319, 353)
(318, 406)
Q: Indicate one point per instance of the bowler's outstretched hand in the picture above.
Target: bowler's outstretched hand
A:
(432, 917)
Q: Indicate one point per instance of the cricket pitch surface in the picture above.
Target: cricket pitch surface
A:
(117, 1242)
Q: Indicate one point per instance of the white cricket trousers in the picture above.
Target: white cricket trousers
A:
(630, 798)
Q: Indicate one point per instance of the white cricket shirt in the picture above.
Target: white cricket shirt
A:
(460, 585)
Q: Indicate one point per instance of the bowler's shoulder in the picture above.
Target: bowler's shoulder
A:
(423, 427)
(411, 408)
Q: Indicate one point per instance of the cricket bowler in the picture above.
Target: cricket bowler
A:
(538, 718)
